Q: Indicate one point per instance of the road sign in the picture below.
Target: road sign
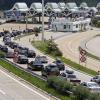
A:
(82, 59)
(83, 55)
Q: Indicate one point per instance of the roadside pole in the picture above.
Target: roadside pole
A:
(42, 20)
(26, 18)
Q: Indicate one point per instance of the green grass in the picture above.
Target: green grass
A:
(33, 80)
(42, 47)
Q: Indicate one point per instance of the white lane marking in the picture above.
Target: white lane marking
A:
(2, 92)
(25, 85)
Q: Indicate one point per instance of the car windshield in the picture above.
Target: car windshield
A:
(92, 84)
(53, 66)
(71, 76)
(23, 51)
(23, 57)
(54, 69)
(58, 61)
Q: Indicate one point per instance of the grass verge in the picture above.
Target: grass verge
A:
(33, 80)
(42, 47)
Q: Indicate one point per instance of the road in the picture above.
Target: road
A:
(67, 42)
(69, 46)
(25, 42)
(93, 46)
(13, 88)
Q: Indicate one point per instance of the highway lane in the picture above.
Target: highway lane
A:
(13, 88)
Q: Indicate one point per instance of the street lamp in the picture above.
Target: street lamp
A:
(42, 20)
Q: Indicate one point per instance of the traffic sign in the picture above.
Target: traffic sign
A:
(82, 59)
(83, 55)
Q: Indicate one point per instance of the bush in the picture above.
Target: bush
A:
(94, 97)
(36, 30)
(60, 84)
(98, 24)
(80, 93)
(2, 54)
(52, 48)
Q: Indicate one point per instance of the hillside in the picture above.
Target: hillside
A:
(7, 4)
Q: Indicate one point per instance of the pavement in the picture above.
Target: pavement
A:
(69, 47)
(14, 88)
(93, 46)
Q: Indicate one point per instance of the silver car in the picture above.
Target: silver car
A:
(92, 86)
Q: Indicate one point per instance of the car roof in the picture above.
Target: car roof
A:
(90, 82)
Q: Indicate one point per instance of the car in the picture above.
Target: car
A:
(92, 86)
(71, 77)
(7, 40)
(31, 53)
(69, 71)
(10, 54)
(2, 34)
(30, 30)
(13, 45)
(22, 59)
(96, 79)
(22, 50)
(50, 69)
(35, 65)
(60, 64)
(42, 59)
(0, 47)
(4, 48)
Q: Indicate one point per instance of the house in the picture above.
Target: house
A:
(70, 25)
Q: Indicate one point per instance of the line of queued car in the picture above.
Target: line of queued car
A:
(40, 63)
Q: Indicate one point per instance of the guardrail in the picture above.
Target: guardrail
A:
(26, 70)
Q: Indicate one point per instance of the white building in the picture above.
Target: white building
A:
(17, 12)
(70, 25)
(36, 8)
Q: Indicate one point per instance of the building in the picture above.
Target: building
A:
(70, 25)
(17, 12)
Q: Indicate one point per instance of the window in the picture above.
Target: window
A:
(69, 26)
(76, 25)
(64, 26)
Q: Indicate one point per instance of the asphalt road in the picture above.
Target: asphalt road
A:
(13, 88)
(93, 46)
(16, 91)
(69, 46)
(25, 42)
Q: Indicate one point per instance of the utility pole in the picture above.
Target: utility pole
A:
(42, 20)
(26, 18)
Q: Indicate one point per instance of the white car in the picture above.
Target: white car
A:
(92, 86)
(96, 79)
